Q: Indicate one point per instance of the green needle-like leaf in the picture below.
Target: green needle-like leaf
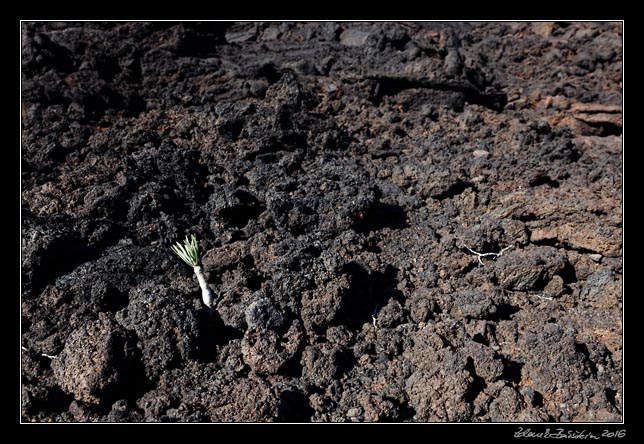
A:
(189, 251)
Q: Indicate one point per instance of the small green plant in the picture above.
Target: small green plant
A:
(189, 253)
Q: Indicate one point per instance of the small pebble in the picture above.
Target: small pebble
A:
(481, 153)
(596, 257)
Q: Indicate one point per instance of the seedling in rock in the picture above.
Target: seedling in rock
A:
(189, 252)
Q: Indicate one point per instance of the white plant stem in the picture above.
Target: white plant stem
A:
(206, 292)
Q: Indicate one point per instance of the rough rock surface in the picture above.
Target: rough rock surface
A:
(333, 173)
(98, 362)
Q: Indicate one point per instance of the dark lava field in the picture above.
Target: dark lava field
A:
(340, 179)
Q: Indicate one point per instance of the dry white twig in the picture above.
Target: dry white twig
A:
(481, 255)
(373, 317)
(544, 297)
(41, 354)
